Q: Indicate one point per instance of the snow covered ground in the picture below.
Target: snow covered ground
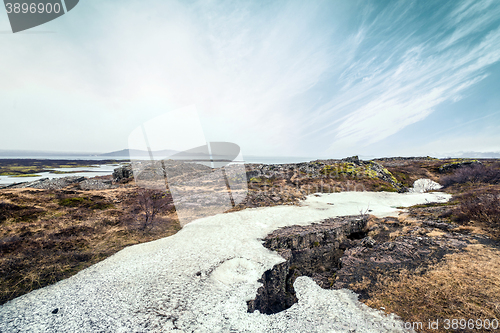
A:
(199, 279)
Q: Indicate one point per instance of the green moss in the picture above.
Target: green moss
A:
(342, 168)
(19, 170)
(102, 206)
(402, 178)
(456, 161)
(435, 204)
(73, 202)
(316, 244)
(385, 188)
(27, 175)
(370, 173)
(327, 169)
(393, 179)
(255, 179)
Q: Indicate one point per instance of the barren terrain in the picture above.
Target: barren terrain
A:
(449, 269)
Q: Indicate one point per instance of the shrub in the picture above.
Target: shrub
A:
(152, 202)
(19, 213)
(484, 208)
(476, 173)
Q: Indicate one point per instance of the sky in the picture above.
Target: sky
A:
(322, 79)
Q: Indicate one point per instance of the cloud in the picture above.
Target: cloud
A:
(239, 63)
(277, 78)
(386, 91)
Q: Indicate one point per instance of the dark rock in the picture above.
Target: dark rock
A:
(123, 173)
(409, 252)
(456, 165)
(96, 184)
(320, 169)
(50, 184)
(403, 189)
(368, 242)
(352, 159)
(440, 225)
(312, 251)
(337, 253)
(56, 310)
(399, 158)
(384, 174)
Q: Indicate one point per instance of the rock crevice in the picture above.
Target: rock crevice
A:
(312, 251)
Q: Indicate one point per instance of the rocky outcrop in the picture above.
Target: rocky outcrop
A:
(352, 159)
(123, 173)
(351, 167)
(457, 164)
(97, 184)
(343, 253)
(399, 158)
(312, 251)
(49, 184)
(382, 173)
(408, 247)
(291, 173)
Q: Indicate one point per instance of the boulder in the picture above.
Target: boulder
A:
(123, 172)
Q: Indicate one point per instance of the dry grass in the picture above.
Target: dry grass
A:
(409, 171)
(435, 233)
(47, 236)
(464, 285)
(477, 206)
(474, 174)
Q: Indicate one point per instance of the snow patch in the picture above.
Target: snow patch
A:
(423, 185)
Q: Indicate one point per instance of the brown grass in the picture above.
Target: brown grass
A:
(474, 174)
(407, 172)
(47, 236)
(478, 206)
(464, 285)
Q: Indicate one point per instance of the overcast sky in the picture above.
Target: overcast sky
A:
(287, 78)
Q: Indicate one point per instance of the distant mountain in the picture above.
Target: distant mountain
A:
(200, 152)
(475, 154)
(138, 153)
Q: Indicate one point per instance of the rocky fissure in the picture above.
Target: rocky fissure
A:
(312, 251)
(351, 252)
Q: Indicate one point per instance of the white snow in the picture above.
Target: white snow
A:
(199, 279)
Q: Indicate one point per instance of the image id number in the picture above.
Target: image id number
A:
(32, 8)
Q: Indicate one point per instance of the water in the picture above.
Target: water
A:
(89, 171)
(66, 157)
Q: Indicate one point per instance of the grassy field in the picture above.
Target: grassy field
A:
(49, 235)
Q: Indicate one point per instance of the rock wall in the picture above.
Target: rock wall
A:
(312, 251)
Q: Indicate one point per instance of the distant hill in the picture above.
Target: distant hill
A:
(473, 154)
(138, 153)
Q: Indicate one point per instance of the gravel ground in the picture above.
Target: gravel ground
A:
(200, 279)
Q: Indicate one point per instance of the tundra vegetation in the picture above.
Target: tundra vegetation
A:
(32, 167)
(49, 235)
